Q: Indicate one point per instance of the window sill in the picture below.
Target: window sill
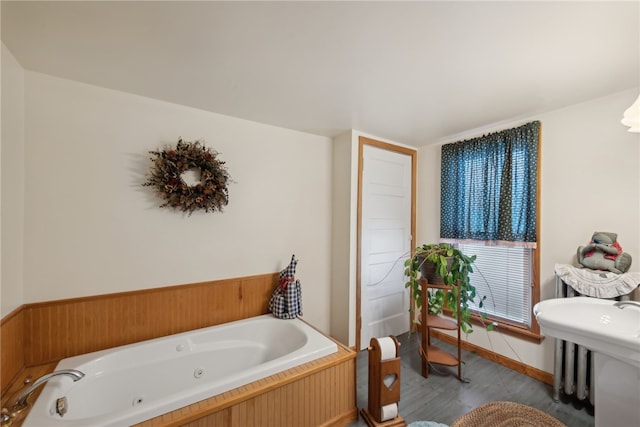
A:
(506, 328)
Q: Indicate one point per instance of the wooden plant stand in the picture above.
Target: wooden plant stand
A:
(431, 353)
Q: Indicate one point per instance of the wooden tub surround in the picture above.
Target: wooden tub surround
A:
(35, 337)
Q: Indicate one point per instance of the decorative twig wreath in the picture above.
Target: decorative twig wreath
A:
(167, 178)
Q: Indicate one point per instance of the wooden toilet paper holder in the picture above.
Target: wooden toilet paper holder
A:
(381, 394)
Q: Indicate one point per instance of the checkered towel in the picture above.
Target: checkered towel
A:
(286, 301)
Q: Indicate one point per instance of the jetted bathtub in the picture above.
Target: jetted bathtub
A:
(129, 384)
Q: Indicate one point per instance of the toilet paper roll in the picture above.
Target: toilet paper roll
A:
(388, 412)
(387, 348)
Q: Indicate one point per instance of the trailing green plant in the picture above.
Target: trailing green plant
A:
(454, 267)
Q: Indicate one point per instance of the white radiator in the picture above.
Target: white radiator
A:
(573, 364)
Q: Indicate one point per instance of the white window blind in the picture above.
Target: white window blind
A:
(503, 275)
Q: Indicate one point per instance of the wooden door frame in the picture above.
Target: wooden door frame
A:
(362, 141)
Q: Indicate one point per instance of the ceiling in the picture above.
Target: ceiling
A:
(411, 72)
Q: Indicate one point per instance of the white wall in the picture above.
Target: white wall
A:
(590, 182)
(343, 257)
(91, 228)
(12, 178)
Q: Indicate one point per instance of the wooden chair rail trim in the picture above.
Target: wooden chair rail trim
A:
(15, 312)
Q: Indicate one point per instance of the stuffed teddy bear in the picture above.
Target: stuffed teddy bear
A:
(604, 253)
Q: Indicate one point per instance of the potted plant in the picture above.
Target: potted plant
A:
(453, 268)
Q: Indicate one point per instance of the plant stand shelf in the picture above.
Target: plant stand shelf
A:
(441, 357)
(430, 353)
(439, 322)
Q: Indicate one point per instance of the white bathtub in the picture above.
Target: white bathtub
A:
(129, 384)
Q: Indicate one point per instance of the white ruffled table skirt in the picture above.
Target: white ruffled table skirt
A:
(597, 283)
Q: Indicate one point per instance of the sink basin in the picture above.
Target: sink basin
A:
(594, 323)
(613, 335)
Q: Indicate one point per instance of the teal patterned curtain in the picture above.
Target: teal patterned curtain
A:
(488, 186)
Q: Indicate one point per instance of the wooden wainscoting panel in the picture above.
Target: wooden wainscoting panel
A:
(64, 328)
(11, 347)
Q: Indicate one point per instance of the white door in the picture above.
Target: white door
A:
(385, 243)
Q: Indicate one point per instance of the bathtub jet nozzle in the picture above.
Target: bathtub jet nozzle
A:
(22, 403)
(61, 406)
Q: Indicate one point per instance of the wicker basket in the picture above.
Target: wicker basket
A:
(506, 414)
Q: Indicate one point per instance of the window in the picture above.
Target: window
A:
(495, 271)
(489, 198)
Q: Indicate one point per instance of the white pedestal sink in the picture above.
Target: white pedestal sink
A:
(613, 334)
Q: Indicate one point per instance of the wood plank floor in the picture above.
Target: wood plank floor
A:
(443, 398)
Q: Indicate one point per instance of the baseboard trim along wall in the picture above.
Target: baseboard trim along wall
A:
(517, 366)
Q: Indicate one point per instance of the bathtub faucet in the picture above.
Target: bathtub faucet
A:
(623, 304)
(21, 402)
